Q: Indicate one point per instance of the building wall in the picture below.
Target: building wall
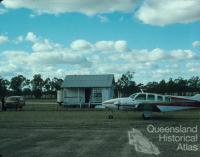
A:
(107, 93)
(71, 96)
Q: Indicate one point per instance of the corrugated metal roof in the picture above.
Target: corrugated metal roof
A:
(88, 80)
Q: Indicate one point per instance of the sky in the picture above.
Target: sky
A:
(155, 39)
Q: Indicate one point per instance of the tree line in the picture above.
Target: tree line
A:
(37, 86)
(125, 86)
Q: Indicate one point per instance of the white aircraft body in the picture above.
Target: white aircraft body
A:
(150, 102)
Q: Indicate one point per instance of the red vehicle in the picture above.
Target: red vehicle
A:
(14, 102)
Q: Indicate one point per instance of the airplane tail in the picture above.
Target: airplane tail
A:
(196, 97)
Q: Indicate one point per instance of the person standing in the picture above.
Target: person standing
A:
(3, 103)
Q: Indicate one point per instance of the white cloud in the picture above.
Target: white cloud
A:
(193, 67)
(183, 54)
(116, 46)
(3, 39)
(165, 12)
(196, 44)
(157, 54)
(45, 46)
(88, 7)
(83, 57)
(39, 44)
(143, 55)
(20, 39)
(121, 46)
(31, 37)
(7, 68)
(2, 11)
(80, 45)
(105, 45)
(103, 19)
(154, 12)
(161, 73)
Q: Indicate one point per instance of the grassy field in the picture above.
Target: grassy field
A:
(36, 132)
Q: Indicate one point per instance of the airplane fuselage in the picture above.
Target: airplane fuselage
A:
(153, 102)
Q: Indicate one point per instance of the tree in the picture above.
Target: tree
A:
(4, 87)
(181, 86)
(162, 87)
(27, 83)
(37, 84)
(56, 84)
(47, 86)
(16, 84)
(26, 91)
(125, 85)
(152, 87)
(194, 84)
(171, 86)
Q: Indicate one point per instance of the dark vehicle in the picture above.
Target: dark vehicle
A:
(14, 102)
(1, 106)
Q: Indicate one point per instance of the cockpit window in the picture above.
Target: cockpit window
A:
(141, 97)
(151, 97)
(133, 96)
(160, 98)
(167, 99)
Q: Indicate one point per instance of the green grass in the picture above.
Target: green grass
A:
(40, 105)
(84, 133)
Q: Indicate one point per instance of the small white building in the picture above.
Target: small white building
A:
(87, 90)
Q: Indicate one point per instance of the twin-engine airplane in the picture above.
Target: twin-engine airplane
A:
(150, 102)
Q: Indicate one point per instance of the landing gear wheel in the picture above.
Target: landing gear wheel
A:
(110, 117)
(146, 115)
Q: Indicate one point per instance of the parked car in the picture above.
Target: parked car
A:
(1, 108)
(14, 102)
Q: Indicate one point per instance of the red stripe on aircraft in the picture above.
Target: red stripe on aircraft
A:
(179, 104)
(177, 98)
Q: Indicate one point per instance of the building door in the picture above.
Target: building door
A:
(88, 93)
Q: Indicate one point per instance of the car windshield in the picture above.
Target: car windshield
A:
(13, 98)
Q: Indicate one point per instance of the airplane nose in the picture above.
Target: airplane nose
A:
(110, 103)
(106, 103)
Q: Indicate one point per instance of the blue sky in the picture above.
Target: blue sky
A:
(156, 39)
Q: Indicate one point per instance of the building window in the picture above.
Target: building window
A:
(65, 92)
(96, 95)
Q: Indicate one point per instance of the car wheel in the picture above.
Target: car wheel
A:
(16, 107)
(20, 108)
(4, 108)
(110, 117)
